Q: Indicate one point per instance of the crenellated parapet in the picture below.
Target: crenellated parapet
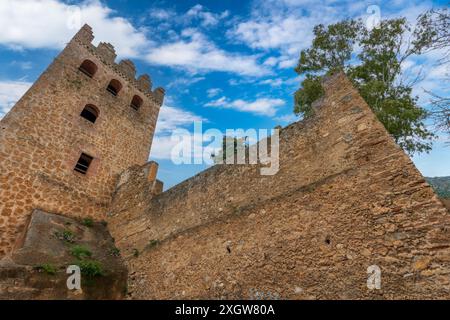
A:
(107, 52)
(85, 34)
(125, 68)
(86, 120)
(128, 68)
(145, 83)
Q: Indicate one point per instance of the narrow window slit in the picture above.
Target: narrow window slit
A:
(83, 163)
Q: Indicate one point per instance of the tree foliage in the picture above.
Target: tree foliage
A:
(438, 22)
(373, 60)
(230, 146)
(440, 114)
(433, 28)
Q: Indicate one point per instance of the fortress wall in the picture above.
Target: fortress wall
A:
(43, 136)
(311, 243)
(346, 197)
(343, 135)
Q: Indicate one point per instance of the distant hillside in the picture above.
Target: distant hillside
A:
(441, 185)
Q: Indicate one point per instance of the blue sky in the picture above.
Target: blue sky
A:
(226, 63)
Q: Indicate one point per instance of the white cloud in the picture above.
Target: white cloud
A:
(161, 14)
(433, 76)
(24, 65)
(278, 82)
(184, 82)
(287, 118)
(51, 23)
(221, 102)
(288, 63)
(272, 82)
(285, 61)
(213, 92)
(31, 24)
(207, 18)
(162, 147)
(271, 61)
(10, 93)
(170, 119)
(286, 26)
(261, 106)
(241, 81)
(166, 146)
(272, 33)
(195, 52)
(286, 33)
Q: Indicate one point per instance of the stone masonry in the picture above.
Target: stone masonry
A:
(346, 198)
(43, 136)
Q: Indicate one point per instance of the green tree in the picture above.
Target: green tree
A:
(372, 59)
(437, 22)
(433, 29)
(230, 146)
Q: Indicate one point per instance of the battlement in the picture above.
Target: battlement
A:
(125, 68)
(86, 119)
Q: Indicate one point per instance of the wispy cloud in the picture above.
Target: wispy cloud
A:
(287, 118)
(261, 106)
(207, 18)
(213, 92)
(162, 13)
(184, 81)
(24, 65)
(31, 24)
(170, 119)
(50, 23)
(10, 93)
(284, 28)
(196, 53)
(272, 82)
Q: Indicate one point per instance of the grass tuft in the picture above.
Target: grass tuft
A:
(80, 252)
(47, 268)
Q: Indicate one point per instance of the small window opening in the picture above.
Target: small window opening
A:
(83, 163)
(88, 68)
(90, 113)
(136, 103)
(114, 87)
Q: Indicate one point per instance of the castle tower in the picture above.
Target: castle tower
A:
(63, 145)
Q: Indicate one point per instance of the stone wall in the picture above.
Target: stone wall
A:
(346, 198)
(43, 136)
(446, 202)
(37, 269)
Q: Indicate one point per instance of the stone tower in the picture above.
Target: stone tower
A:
(63, 145)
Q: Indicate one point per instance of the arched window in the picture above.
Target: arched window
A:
(114, 87)
(136, 103)
(90, 113)
(88, 68)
